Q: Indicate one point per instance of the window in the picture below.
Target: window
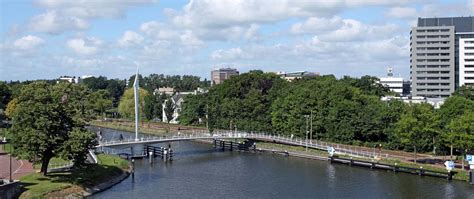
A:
(420, 30)
(444, 30)
(469, 66)
(469, 42)
(468, 60)
(468, 48)
(469, 54)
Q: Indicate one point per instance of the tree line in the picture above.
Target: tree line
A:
(346, 110)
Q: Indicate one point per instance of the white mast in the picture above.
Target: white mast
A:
(136, 93)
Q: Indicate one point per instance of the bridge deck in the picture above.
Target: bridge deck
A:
(232, 135)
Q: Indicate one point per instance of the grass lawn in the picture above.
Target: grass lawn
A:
(461, 175)
(38, 186)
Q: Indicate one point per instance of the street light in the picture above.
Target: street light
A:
(306, 116)
(311, 129)
(11, 163)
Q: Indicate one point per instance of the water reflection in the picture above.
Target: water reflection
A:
(200, 172)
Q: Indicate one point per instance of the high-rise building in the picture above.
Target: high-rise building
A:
(435, 54)
(219, 75)
(466, 61)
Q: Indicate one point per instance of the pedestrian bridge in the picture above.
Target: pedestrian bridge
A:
(286, 140)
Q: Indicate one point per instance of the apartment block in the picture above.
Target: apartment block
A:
(219, 75)
(466, 61)
(435, 55)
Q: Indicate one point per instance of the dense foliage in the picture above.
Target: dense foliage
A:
(347, 110)
(48, 121)
(114, 87)
(127, 103)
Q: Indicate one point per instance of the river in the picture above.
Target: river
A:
(198, 171)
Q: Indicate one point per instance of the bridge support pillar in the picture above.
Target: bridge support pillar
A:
(137, 150)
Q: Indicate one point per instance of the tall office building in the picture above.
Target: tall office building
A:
(466, 61)
(434, 52)
(219, 75)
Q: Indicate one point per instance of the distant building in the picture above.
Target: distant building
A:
(395, 84)
(466, 61)
(86, 76)
(441, 55)
(219, 75)
(435, 102)
(290, 76)
(177, 100)
(70, 79)
(164, 90)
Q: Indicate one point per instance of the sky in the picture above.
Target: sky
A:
(44, 39)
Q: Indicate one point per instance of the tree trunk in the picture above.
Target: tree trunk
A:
(451, 152)
(462, 162)
(415, 153)
(44, 165)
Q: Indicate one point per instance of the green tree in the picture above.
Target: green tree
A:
(78, 144)
(100, 102)
(169, 110)
(47, 118)
(465, 91)
(127, 103)
(193, 110)
(460, 133)
(453, 107)
(11, 106)
(5, 95)
(418, 127)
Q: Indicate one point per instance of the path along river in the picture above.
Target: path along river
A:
(198, 171)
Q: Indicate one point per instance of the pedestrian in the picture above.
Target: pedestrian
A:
(121, 137)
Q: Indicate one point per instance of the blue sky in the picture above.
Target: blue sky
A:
(45, 39)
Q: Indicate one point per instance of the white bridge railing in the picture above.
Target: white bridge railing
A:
(315, 144)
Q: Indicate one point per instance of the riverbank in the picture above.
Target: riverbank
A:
(404, 160)
(301, 152)
(77, 183)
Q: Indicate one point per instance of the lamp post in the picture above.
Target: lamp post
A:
(11, 163)
(306, 116)
(311, 129)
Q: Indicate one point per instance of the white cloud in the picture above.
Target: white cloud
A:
(158, 30)
(317, 25)
(229, 54)
(130, 38)
(85, 46)
(67, 15)
(218, 13)
(447, 9)
(189, 39)
(402, 12)
(28, 43)
(53, 23)
(337, 29)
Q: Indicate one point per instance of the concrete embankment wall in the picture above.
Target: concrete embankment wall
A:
(9, 190)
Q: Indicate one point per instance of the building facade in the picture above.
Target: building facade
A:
(70, 79)
(466, 61)
(219, 75)
(290, 76)
(395, 84)
(434, 55)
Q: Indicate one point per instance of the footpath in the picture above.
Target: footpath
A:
(19, 167)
